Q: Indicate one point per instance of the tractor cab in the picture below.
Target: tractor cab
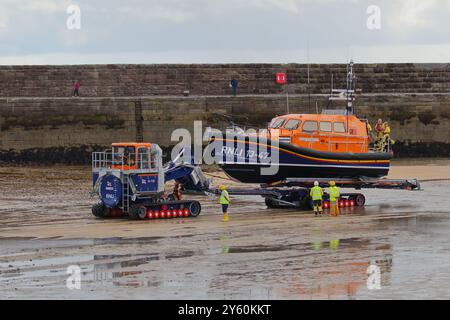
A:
(133, 156)
(134, 164)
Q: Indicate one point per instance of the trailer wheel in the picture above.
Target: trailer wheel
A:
(270, 203)
(99, 210)
(309, 204)
(138, 211)
(360, 200)
(195, 208)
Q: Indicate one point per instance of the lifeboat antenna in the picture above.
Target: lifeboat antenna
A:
(351, 80)
(347, 95)
(309, 81)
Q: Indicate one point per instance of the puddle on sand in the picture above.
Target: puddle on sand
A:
(319, 269)
(333, 244)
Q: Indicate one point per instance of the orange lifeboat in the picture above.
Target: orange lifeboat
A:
(333, 144)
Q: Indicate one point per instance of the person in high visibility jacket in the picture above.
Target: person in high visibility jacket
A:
(224, 200)
(386, 137)
(335, 194)
(316, 194)
(369, 130)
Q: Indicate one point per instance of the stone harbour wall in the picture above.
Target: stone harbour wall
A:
(67, 130)
(213, 79)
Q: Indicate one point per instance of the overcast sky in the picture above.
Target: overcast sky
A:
(216, 31)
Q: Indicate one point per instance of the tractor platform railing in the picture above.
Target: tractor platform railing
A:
(119, 161)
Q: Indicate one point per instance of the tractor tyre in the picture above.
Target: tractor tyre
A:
(138, 212)
(99, 210)
(270, 203)
(195, 208)
(360, 200)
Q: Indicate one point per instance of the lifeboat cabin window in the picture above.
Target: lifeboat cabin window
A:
(339, 127)
(310, 126)
(292, 124)
(325, 126)
(277, 123)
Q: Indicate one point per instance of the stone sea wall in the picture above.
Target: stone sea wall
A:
(67, 130)
(148, 80)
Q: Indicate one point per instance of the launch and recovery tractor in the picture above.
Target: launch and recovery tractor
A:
(130, 180)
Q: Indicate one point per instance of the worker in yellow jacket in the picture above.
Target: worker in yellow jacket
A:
(335, 194)
(316, 194)
(224, 200)
(386, 140)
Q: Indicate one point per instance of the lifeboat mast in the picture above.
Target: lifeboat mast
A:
(347, 94)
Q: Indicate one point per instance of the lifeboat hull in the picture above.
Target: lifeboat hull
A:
(246, 160)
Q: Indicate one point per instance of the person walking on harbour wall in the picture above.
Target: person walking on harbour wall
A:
(224, 200)
(316, 194)
(76, 88)
(234, 85)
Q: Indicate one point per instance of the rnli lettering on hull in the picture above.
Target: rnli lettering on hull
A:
(251, 155)
(230, 151)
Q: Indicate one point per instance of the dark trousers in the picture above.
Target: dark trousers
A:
(224, 208)
(76, 92)
(234, 91)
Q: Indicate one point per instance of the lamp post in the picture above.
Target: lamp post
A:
(281, 79)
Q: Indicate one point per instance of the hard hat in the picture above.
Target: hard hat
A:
(316, 183)
(332, 183)
(222, 187)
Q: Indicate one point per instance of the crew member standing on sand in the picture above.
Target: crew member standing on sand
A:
(316, 194)
(224, 200)
(335, 193)
(76, 88)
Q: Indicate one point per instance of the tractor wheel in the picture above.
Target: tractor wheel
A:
(195, 208)
(99, 210)
(138, 211)
(360, 200)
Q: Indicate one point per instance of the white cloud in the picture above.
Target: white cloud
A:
(408, 14)
(157, 12)
(43, 6)
(360, 54)
(222, 31)
(3, 21)
(74, 38)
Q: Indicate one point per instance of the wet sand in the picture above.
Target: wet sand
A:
(46, 226)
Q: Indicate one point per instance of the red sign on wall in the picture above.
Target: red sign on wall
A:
(281, 78)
